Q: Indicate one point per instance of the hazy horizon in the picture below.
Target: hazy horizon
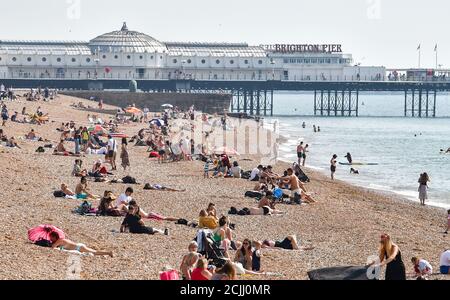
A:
(376, 32)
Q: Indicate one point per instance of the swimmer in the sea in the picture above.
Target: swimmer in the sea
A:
(354, 171)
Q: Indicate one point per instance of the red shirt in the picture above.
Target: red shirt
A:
(197, 275)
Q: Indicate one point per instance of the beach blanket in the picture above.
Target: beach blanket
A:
(339, 273)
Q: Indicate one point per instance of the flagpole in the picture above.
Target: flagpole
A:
(436, 49)
(419, 48)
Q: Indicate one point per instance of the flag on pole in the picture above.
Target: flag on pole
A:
(435, 48)
(418, 48)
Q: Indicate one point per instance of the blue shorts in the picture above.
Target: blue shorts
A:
(444, 269)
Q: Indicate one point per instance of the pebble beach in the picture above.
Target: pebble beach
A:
(343, 226)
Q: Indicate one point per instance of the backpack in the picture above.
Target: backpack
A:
(129, 180)
(59, 194)
(246, 175)
(297, 198)
(40, 150)
(233, 211)
(182, 222)
(84, 208)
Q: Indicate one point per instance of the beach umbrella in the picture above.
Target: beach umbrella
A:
(167, 105)
(157, 122)
(225, 150)
(42, 232)
(133, 110)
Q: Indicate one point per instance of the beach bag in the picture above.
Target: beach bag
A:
(147, 186)
(43, 243)
(129, 180)
(40, 150)
(153, 154)
(182, 222)
(59, 194)
(297, 199)
(169, 275)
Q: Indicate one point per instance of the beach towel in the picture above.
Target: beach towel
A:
(339, 273)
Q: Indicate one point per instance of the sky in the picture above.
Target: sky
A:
(377, 32)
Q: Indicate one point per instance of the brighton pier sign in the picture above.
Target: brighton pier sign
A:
(304, 48)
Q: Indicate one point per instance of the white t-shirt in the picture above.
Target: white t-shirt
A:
(123, 199)
(423, 265)
(112, 144)
(445, 258)
(255, 172)
(236, 171)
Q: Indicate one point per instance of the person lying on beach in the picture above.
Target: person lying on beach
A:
(12, 143)
(68, 245)
(107, 207)
(289, 243)
(100, 151)
(158, 187)
(82, 190)
(66, 190)
(133, 222)
(207, 221)
(227, 272)
(153, 215)
(422, 268)
(77, 171)
(354, 171)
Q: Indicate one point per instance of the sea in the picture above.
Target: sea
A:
(403, 147)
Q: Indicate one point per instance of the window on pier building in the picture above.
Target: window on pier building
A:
(58, 59)
(88, 60)
(44, 59)
(174, 61)
(203, 61)
(217, 61)
(74, 59)
(14, 59)
(189, 61)
(29, 59)
(246, 61)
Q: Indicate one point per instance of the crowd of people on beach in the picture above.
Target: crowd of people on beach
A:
(214, 253)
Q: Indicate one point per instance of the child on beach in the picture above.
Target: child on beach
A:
(448, 221)
(422, 267)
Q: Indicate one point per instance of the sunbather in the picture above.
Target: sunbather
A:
(289, 243)
(158, 187)
(134, 223)
(82, 190)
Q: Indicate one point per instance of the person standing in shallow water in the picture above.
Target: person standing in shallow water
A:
(391, 257)
(423, 187)
(300, 151)
(333, 163)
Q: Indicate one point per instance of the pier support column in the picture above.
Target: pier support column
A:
(418, 104)
(315, 102)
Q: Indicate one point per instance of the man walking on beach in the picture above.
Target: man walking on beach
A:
(112, 152)
(333, 163)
